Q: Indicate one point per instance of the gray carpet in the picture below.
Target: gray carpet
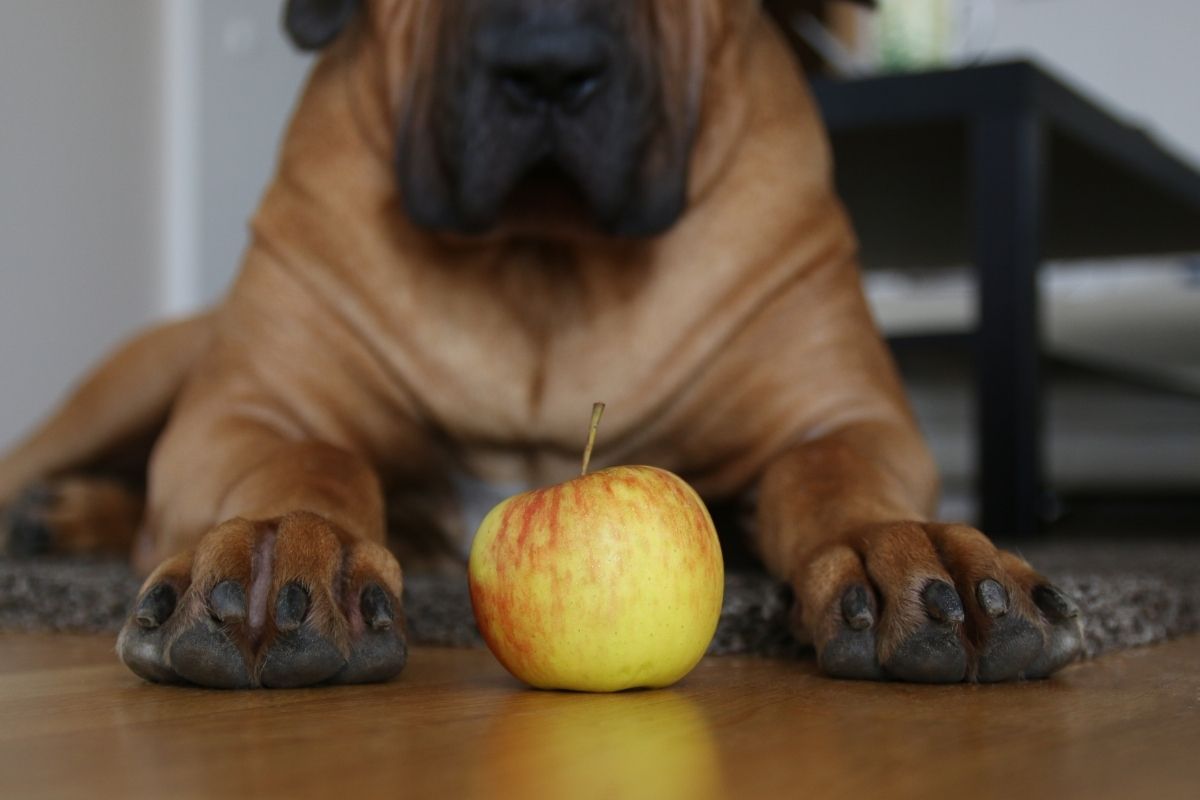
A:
(1133, 593)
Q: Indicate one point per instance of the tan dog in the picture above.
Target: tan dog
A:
(488, 214)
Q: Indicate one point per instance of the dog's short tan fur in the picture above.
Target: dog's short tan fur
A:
(357, 352)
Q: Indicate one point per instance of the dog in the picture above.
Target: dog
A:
(486, 215)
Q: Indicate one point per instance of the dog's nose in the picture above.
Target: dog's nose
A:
(539, 68)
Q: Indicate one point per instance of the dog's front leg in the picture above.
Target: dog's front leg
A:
(291, 586)
(883, 592)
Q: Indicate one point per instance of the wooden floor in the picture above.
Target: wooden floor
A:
(74, 723)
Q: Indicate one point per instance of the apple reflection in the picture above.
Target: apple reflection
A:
(643, 744)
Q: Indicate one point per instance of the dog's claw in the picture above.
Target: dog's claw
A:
(942, 602)
(155, 607)
(228, 602)
(992, 598)
(377, 608)
(1054, 603)
(290, 607)
(856, 609)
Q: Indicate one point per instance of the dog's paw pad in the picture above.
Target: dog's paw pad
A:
(300, 657)
(1012, 642)
(205, 655)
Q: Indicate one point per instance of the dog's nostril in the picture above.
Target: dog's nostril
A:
(520, 87)
(569, 90)
(579, 87)
(562, 67)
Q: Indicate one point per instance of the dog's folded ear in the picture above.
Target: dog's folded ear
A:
(312, 24)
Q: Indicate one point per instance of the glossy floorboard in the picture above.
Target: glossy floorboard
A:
(74, 723)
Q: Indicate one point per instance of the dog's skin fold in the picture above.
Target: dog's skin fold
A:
(462, 248)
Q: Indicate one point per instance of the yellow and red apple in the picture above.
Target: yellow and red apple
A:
(609, 581)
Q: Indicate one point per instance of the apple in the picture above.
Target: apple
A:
(610, 581)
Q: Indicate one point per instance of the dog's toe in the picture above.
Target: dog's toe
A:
(153, 623)
(381, 650)
(141, 643)
(934, 652)
(204, 654)
(1012, 641)
(850, 651)
(301, 657)
(142, 652)
(213, 619)
(1064, 631)
(71, 515)
(933, 603)
(1012, 646)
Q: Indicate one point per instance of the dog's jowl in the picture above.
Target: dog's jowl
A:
(488, 214)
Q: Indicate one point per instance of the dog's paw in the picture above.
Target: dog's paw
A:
(933, 604)
(70, 516)
(284, 603)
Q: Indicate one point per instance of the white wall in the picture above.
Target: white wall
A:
(79, 191)
(136, 138)
(240, 79)
(1141, 58)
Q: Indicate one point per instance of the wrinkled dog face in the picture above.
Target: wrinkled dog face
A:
(574, 103)
(528, 109)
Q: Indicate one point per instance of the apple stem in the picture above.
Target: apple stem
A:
(597, 412)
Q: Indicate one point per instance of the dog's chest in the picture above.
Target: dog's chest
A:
(507, 357)
(521, 358)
